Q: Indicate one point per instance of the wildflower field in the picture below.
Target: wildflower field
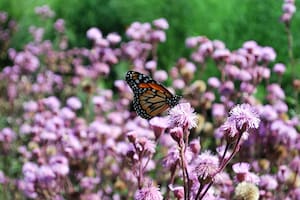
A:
(73, 125)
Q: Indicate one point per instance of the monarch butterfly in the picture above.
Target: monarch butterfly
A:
(150, 97)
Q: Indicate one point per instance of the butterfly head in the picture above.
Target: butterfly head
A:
(174, 100)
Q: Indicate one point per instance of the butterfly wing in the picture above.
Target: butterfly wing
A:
(150, 97)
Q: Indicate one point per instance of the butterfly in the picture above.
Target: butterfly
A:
(150, 97)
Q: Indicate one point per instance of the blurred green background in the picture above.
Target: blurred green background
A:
(232, 21)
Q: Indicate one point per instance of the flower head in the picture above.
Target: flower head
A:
(206, 166)
(161, 23)
(183, 115)
(74, 103)
(241, 167)
(269, 182)
(158, 124)
(148, 193)
(246, 190)
(245, 117)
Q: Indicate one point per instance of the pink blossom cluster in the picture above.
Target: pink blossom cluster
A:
(70, 135)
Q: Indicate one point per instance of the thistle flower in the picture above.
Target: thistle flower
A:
(279, 68)
(241, 168)
(74, 103)
(268, 113)
(295, 164)
(183, 115)
(214, 82)
(173, 157)
(94, 34)
(205, 166)
(89, 182)
(59, 164)
(195, 146)
(178, 191)
(161, 23)
(268, 182)
(59, 25)
(246, 191)
(243, 174)
(113, 38)
(177, 134)
(218, 110)
(158, 124)
(160, 75)
(245, 117)
(148, 193)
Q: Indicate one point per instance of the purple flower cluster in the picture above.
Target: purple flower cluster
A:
(72, 139)
(288, 9)
(7, 28)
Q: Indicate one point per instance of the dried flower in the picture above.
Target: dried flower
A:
(246, 191)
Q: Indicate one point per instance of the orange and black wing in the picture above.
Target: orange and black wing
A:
(150, 97)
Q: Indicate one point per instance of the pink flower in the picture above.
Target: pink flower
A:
(74, 103)
(245, 117)
(178, 84)
(161, 23)
(158, 124)
(27, 61)
(151, 65)
(46, 175)
(30, 106)
(241, 168)
(195, 146)
(2, 177)
(268, 113)
(158, 35)
(214, 82)
(67, 114)
(29, 171)
(178, 191)
(59, 164)
(243, 173)
(289, 8)
(183, 115)
(89, 182)
(145, 145)
(44, 11)
(192, 42)
(279, 68)
(295, 164)
(52, 103)
(244, 75)
(269, 182)
(160, 75)
(113, 38)
(59, 25)
(221, 54)
(7, 135)
(205, 166)
(250, 45)
(283, 173)
(173, 157)
(275, 92)
(3, 17)
(177, 134)
(94, 34)
(252, 178)
(218, 110)
(148, 193)
(268, 54)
